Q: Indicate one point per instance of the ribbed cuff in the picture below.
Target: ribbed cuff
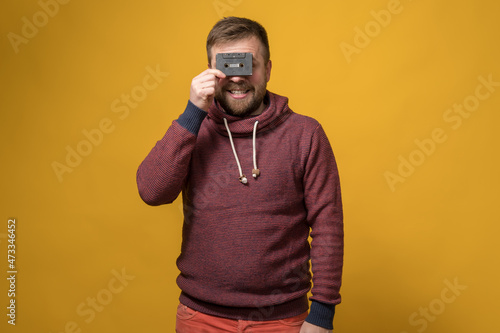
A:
(321, 314)
(192, 118)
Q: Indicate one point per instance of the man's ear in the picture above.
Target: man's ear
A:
(268, 70)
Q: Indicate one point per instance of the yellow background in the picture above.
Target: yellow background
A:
(402, 243)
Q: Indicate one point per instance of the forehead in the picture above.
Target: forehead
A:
(247, 45)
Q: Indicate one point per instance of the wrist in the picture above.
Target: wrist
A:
(321, 314)
(192, 118)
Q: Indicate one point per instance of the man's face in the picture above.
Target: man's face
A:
(243, 95)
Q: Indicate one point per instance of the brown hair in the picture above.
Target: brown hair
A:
(236, 28)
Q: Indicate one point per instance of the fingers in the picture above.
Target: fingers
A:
(208, 79)
(203, 88)
(203, 82)
(212, 71)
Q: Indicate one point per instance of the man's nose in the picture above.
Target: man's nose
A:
(236, 79)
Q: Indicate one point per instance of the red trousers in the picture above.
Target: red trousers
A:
(191, 321)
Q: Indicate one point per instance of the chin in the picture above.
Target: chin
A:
(238, 108)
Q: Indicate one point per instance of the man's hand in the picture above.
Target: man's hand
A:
(203, 88)
(310, 328)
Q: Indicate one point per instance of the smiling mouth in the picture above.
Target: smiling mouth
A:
(239, 92)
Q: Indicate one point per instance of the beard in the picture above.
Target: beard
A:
(245, 106)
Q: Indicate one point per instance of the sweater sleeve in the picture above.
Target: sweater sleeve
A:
(162, 173)
(325, 217)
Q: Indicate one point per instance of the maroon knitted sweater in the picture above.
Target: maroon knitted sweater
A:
(245, 251)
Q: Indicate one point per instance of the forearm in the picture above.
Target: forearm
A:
(162, 173)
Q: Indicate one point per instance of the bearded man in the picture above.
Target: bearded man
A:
(245, 255)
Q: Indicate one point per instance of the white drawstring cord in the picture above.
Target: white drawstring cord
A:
(255, 171)
(243, 178)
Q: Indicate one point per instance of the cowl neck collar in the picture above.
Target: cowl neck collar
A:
(276, 112)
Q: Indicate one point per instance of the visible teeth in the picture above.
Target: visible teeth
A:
(237, 92)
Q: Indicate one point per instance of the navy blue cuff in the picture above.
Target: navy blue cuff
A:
(321, 314)
(192, 118)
